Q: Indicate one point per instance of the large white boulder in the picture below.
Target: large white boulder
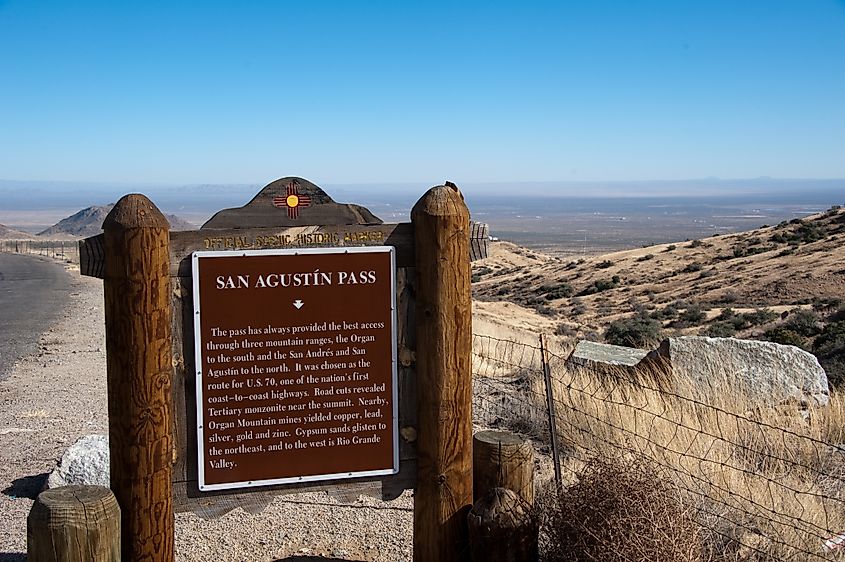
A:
(85, 462)
(766, 372)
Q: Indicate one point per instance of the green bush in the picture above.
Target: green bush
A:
(692, 315)
(560, 291)
(829, 347)
(637, 331)
(785, 336)
(600, 285)
(759, 317)
(804, 323)
(720, 330)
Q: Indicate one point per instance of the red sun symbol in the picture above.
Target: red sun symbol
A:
(292, 201)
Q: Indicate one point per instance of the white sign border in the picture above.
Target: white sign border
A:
(195, 257)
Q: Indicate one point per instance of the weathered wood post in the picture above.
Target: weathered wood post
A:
(138, 353)
(443, 495)
(501, 459)
(74, 524)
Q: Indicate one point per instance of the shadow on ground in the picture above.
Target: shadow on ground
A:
(26, 487)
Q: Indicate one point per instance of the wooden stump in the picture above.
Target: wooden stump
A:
(501, 459)
(74, 524)
(139, 372)
(502, 528)
(443, 496)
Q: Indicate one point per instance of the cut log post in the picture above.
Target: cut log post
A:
(74, 524)
(443, 496)
(138, 356)
(502, 528)
(501, 459)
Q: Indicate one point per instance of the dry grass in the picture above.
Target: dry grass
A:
(765, 483)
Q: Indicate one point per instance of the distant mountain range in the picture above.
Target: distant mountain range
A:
(7, 233)
(89, 222)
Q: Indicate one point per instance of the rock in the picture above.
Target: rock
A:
(85, 462)
(766, 372)
(602, 356)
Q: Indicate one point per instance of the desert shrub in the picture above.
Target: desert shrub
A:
(829, 347)
(785, 336)
(637, 331)
(695, 244)
(804, 323)
(759, 317)
(670, 248)
(708, 273)
(668, 312)
(729, 296)
(826, 304)
(646, 257)
(600, 285)
(565, 330)
(720, 330)
(692, 315)
(604, 264)
(692, 267)
(559, 291)
(621, 511)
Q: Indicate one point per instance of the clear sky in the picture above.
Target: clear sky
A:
(374, 91)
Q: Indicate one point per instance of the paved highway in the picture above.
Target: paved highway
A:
(33, 292)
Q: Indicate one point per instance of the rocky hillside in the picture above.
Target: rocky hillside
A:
(89, 222)
(7, 233)
(785, 283)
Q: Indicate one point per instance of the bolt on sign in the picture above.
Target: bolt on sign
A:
(296, 365)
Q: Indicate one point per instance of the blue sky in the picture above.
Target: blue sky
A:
(366, 92)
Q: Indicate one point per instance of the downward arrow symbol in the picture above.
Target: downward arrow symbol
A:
(298, 304)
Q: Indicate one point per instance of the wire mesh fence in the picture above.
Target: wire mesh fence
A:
(67, 250)
(741, 480)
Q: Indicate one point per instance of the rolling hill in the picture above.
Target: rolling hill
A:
(784, 283)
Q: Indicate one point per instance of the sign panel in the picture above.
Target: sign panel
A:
(296, 365)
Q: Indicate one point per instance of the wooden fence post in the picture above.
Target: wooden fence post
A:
(443, 495)
(501, 459)
(138, 354)
(74, 524)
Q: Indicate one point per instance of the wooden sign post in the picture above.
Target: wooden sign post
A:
(139, 372)
(244, 393)
(444, 340)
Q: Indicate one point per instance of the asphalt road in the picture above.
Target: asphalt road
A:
(33, 292)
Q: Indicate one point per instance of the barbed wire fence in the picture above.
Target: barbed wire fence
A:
(66, 250)
(759, 483)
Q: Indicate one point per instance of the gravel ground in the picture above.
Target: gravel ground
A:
(58, 394)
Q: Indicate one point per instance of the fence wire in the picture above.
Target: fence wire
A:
(66, 250)
(760, 482)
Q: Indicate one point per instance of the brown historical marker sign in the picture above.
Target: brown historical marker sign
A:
(296, 365)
